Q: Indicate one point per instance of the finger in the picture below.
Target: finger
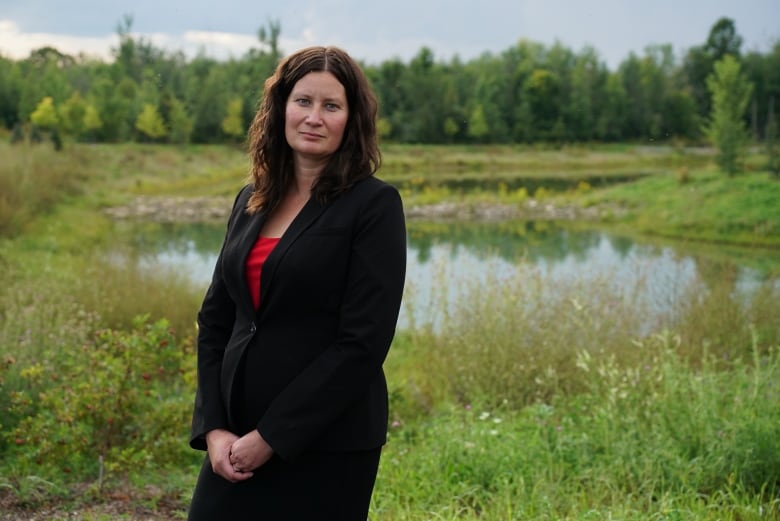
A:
(231, 475)
(234, 459)
(235, 469)
(240, 476)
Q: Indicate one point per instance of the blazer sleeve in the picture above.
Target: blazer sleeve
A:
(215, 322)
(342, 373)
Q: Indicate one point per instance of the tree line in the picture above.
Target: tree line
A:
(529, 93)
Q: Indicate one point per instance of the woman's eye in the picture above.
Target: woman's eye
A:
(303, 102)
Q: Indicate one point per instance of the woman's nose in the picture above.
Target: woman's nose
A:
(314, 116)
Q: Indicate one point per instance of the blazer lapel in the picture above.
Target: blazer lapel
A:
(308, 214)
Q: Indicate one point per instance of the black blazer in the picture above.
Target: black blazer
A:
(330, 294)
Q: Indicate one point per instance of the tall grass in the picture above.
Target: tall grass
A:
(41, 293)
(526, 398)
(527, 405)
(516, 335)
(660, 441)
(33, 178)
(498, 417)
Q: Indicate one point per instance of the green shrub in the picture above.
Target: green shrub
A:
(35, 322)
(120, 403)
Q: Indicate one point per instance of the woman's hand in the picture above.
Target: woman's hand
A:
(219, 442)
(250, 452)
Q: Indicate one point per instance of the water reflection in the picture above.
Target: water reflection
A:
(447, 260)
(653, 279)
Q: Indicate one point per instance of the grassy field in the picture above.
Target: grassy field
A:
(520, 407)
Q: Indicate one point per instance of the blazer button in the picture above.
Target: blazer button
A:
(252, 328)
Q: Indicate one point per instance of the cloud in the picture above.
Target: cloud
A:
(16, 44)
(405, 49)
(216, 44)
(226, 40)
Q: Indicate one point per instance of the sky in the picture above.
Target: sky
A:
(375, 31)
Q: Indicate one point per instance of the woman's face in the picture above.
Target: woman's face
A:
(315, 116)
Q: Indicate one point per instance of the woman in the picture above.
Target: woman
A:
(302, 307)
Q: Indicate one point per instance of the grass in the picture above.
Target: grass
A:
(519, 160)
(690, 200)
(639, 443)
(499, 418)
(707, 207)
(547, 402)
(33, 182)
(534, 401)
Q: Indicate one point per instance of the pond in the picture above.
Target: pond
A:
(447, 260)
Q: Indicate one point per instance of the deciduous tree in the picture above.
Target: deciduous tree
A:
(71, 115)
(45, 114)
(232, 124)
(179, 122)
(150, 123)
(726, 129)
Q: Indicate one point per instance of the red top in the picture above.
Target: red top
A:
(254, 265)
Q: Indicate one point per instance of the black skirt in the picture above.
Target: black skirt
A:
(316, 486)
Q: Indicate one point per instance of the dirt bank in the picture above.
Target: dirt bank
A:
(216, 209)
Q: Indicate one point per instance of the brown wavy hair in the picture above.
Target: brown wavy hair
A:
(356, 158)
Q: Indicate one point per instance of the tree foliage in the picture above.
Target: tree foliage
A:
(180, 122)
(232, 124)
(773, 142)
(45, 114)
(730, 96)
(150, 123)
(528, 93)
(92, 121)
(72, 113)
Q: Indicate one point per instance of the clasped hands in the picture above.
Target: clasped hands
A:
(233, 457)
